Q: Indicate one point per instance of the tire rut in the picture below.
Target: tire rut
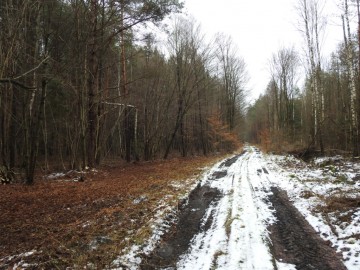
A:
(177, 241)
(294, 241)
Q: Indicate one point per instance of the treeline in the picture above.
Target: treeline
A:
(325, 115)
(77, 86)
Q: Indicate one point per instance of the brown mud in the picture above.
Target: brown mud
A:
(294, 241)
(178, 240)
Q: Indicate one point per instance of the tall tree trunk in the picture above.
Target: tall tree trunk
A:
(92, 84)
(12, 141)
(358, 109)
(202, 131)
(126, 126)
(178, 122)
(309, 32)
(31, 126)
(351, 68)
(35, 131)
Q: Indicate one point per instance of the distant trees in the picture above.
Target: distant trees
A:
(75, 87)
(325, 114)
(188, 72)
(311, 25)
(282, 92)
(232, 71)
(278, 110)
(208, 86)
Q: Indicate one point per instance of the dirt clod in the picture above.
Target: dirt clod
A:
(219, 174)
(230, 161)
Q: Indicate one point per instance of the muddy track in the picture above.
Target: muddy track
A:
(293, 240)
(228, 162)
(177, 241)
(296, 242)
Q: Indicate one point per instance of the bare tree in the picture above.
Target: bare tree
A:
(283, 66)
(311, 25)
(184, 48)
(234, 78)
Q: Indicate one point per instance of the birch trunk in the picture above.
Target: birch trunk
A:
(310, 15)
(352, 74)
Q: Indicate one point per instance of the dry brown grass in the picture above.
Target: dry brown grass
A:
(60, 219)
(341, 203)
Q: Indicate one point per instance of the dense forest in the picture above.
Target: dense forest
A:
(82, 81)
(85, 81)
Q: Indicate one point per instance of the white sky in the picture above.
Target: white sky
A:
(260, 28)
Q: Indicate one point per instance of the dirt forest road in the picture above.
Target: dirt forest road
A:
(238, 219)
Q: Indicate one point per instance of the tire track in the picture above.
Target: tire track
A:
(177, 241)
(296, 242)
(225, 226)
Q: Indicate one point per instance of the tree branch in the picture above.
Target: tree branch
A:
(31, 70)
(14, 79)
(14, 82)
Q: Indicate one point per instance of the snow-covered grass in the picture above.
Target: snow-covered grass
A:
(20, 258)
(323, 191)
(164, 217)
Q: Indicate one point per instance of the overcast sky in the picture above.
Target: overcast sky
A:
(259, 29)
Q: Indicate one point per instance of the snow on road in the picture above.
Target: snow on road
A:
(233, 232)
(238, 238)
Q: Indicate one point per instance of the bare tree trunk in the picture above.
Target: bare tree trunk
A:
(92, 84)
(32, 127)
(178, 123)
(12, 142)
(358, 109)
(351, 69)
(126, 124)
(202, 131)
(310, 17)
(34, 144)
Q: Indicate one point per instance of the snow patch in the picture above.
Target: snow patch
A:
(237, 236)
(307, 186)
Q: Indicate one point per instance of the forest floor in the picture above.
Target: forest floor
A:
(62, 221)
(249, 211)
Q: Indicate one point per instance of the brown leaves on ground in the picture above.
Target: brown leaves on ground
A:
(342, 203)
(72, 223)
